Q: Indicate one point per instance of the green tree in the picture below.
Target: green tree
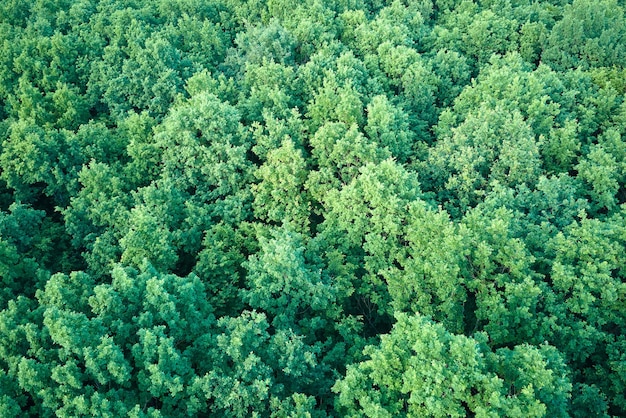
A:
(220, 264)
(388, 126)
(267, 89)
(259, 43)
(335, 102)
(590, 34)
(587, 279)
(281, 283)
(339, 152)
(506, 298)
(280, 197)
(25, 246)
(476, 33)
(97, 215)
(602, 172)
(420, 369)
(312, 23)
(489, 146)
(427, 274)
(410, 77)
(81, 349)
(453, 73)
(362, 235)
(204, 174)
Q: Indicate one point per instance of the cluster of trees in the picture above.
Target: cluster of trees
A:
(375, 208)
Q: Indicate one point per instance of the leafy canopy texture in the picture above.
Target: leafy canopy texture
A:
(420, 369)
(255, 208)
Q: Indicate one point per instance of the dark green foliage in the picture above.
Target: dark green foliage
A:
(355, 208)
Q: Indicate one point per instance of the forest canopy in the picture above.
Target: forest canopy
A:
(374, 208)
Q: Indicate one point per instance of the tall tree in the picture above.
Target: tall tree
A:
(421, 369)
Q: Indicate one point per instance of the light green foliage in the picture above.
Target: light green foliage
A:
(144, 153)
(213, 208)
(147, 239)
(603, 171)
(453, 74)
(280, 196)
(420, 369)
(339, 153)
(388, 126)
(533, 36)
(426, 276)
(268, 89)
(27, 156)
(140, 69)
(363, 230)
(489, 146)
(599, 170)
(477, 34)
(411, 77)
(40, 75)
(507, 293)
(344, 150)
(204, 170)
(310, 22)
(97, 214)
(540, 213)
(508, 83)
(195, 33)
(591, 34)
(560, 148)
(588, 280)
(275, 131)
(335, 102)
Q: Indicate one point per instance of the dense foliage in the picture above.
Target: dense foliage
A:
(320, 208)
